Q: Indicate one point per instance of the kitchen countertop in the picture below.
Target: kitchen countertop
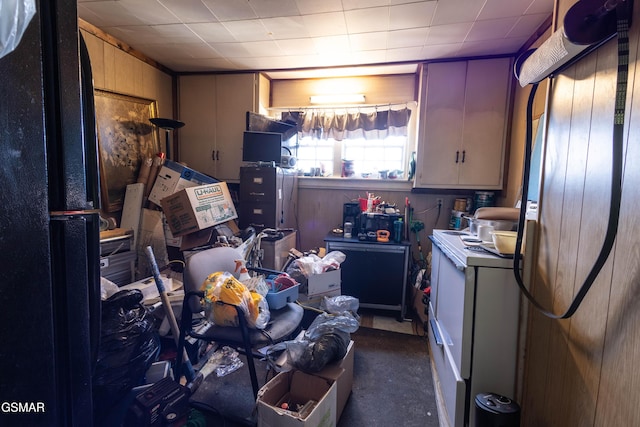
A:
(451, 244)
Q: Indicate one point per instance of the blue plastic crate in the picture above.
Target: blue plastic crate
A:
(277, 300)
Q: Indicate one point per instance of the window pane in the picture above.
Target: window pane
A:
(369, 156)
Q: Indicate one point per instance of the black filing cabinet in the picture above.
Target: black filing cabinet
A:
(268, 197)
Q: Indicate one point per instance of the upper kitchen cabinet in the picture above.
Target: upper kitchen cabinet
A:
(463, 124)
(214, 109)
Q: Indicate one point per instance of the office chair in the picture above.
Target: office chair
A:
(283, 324)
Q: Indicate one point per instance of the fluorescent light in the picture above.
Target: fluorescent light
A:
(348, 98)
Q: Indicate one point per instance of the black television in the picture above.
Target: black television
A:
(262, 147)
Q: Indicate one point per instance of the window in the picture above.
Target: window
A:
(369, 157)
(376, 142)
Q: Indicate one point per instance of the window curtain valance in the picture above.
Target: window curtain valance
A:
(339, 125)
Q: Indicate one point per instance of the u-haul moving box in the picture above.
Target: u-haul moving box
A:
(173, 177)
(196, 208)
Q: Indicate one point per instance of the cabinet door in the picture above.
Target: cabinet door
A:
(236, 94)
(441, 124)
(464, 108)
(484, 132)
(196, 108)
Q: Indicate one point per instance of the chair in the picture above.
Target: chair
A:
(284, 323)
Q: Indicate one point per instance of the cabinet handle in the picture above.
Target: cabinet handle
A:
(436, 333)
(256, 194)
(457, 154)
(464, 153)
(213, 155)
(217, 154)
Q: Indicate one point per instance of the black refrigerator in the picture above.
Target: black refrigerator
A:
(49, 225)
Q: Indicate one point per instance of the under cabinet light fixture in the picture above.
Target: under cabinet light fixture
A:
(348, 98)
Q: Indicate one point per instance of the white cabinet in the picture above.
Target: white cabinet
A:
(214, 109)
(463, 124)
(474, 325)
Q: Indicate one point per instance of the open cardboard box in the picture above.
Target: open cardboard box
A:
(339, 373)
(316, 395)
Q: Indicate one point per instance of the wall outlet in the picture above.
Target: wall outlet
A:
(439, 202)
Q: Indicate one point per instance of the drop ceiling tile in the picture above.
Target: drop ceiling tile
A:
(448, 34)
(230, 10)
(407, 38)
(141, 34)
(110, 14)
(230, 50)
(332, 44)
(490, 29)
(267, 48)
(150, 12)
(441, 51)
(369, 57)
(212, 32)
(247, 31)
(272, 8)
(308, 7)
(287, 27)
(189, 10)
(540, 6)
(325, 24)
(456, 11)
(404, 54)
(368, 41)
(527, 25)
(411, 15)
(367, 20)
(494, 9)
(363, 4)
(297, 46)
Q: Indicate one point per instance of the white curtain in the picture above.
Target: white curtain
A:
(345, 124)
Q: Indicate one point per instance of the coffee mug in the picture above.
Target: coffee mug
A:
(484, 233)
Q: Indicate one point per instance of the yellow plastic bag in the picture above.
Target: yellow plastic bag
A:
(224, 287)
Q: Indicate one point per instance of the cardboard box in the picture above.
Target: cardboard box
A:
(174, 177)
(196, 208)
(341, 372)
(324, 285)
(297, 387)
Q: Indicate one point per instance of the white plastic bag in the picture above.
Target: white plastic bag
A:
(15, 16)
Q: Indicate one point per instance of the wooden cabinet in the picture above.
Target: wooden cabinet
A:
(463, 124)
(214, 108)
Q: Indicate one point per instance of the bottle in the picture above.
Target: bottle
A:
(397, 230)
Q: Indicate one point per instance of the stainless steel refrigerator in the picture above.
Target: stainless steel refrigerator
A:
(49, 225)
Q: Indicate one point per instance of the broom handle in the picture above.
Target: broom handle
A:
(175, 331)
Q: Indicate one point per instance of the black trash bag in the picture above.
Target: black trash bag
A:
(129, 344)
(327, 348)
(325, 341)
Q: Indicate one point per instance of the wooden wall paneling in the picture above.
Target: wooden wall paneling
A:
(620, 378)
(564, 213)
(571, 204)
(377, 89)
(540, 327)
(96, 55)
(109, 67)
(586, 338)
(319, 211)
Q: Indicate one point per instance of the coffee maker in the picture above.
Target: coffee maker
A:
(350, 212)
